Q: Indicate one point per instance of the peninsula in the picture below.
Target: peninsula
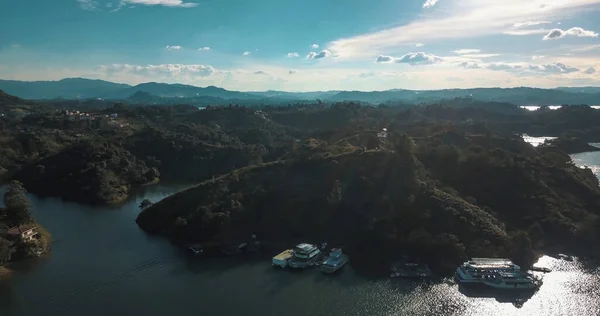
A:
(21, 236)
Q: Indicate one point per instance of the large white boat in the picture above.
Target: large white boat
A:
(495, 273)
(305, 255)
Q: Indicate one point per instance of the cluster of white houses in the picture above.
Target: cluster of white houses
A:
(82, 116)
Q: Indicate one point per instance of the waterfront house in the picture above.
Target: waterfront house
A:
(25, 232)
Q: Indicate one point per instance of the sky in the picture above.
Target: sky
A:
(305, 45)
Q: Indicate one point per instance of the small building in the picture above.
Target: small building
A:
(25, 232)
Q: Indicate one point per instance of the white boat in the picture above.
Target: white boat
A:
(511, 280)
(495, 273)
(305, 255)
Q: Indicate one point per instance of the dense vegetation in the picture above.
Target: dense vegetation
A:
(444, 198)
(445, 181)
(17, 213)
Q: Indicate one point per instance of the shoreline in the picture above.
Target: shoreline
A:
(5, 272)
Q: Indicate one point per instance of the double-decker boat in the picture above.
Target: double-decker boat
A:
(495, 273)
(305, 255)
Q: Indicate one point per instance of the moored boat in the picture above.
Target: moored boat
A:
(495, 273)
(337, 259)
(281, 260)
(305, 255)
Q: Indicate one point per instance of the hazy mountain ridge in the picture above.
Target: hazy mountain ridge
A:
(79, 88)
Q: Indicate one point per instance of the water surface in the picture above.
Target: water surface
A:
(103, 264)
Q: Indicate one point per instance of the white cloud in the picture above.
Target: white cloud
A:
(530, 23)
(590, 71)
(554, 68)
(470, 65)
(205, 48)
(536, 57)
(462, 20)
(466, 51)
(314, 46)
(88, 5)
(385, 59)
(574, 31)
(246, 53)
(167, 70)
(166, 3)
(411, 59)
(430, 3)
(322, 54)
(293, 55)
(419, 45)
(173, 47)
(526, 32)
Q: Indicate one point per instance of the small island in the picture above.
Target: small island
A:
(21, 237)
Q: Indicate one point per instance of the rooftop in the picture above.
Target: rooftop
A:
(490, 261)
(20, 229)
(307, 248)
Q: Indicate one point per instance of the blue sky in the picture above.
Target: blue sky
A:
(305, 45)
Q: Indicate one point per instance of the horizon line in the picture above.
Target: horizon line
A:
(309, 91)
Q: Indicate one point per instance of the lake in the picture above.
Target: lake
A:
(103, 264)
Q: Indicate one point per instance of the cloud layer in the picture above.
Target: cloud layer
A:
(466, 51)
(529, 23)
(465, 19)
(168, 70)
(554, 68)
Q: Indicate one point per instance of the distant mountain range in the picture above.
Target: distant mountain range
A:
(162, 93)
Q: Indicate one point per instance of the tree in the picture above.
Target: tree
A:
(18, 208)
(521, 249)
(5, 251)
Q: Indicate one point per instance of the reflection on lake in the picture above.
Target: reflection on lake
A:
(551, 107)
(103, 264)
(536, 141)
(589, 159)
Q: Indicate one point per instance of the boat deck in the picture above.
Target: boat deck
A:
(284, 255)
